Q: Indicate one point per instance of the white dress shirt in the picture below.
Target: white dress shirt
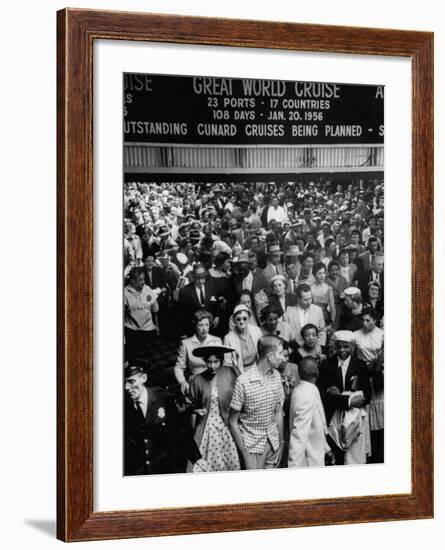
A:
(344, 364)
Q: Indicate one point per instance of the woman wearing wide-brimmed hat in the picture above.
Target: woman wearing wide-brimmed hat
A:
(211, 392)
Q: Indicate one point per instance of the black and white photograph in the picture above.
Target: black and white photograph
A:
(253, 274)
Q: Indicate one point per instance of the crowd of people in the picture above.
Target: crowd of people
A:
(270, 298)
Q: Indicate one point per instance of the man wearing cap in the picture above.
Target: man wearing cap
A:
(199, 294)
(303, 313)
(339, 374)
(274, 265)
(157, 438)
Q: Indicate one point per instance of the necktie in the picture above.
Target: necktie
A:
(139, 409)
(150, 282)
(277, 270)
(343, 377)
(201, 296)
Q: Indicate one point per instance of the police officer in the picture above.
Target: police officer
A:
(158, 439)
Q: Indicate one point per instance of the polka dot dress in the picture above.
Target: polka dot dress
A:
(217, 447)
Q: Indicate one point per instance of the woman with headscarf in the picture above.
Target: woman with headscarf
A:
(246, 299)
(243, 339)
(280, 299)
(211, 393)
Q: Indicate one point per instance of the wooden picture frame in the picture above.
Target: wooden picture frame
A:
(77, 31)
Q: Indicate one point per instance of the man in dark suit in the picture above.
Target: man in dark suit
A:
(154, 275)
(343, 373)
(201, 293)
(374, 275)
(245, 279)
(364, 262)
(257, 248)
(157, 438)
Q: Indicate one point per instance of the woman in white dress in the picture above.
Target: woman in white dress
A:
(369, 348)
(322, 294)
(211, 392)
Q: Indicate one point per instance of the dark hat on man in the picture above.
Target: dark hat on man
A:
(132, 370)
(199, 271)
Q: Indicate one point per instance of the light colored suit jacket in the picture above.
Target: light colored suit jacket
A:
(308, 429)
(271, 270)
(188, 365)
(314, 316)
(231, 339)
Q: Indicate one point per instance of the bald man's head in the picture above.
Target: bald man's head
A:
(308, 369)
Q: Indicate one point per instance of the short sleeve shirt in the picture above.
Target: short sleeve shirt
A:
(257, 398)
(139, 307)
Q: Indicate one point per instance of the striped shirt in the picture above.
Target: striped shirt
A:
(257, 398)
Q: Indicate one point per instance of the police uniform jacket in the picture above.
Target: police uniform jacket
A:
(160, 442)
